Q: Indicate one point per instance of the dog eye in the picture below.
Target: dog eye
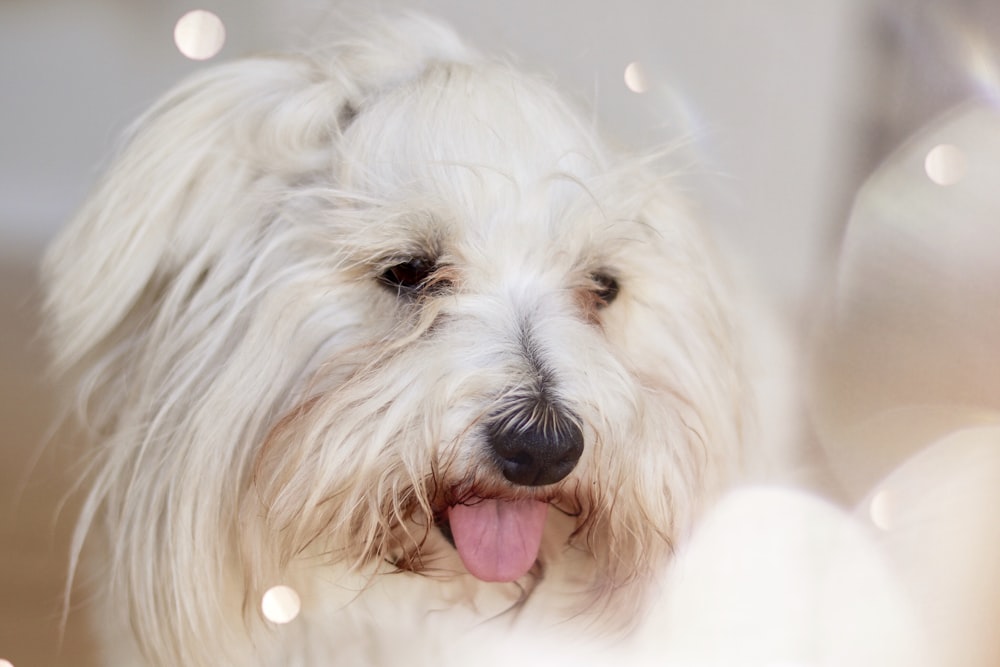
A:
(605, 289)
(408, 277)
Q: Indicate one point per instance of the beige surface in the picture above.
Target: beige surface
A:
(33, 482)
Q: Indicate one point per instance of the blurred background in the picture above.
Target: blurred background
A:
(808, 130)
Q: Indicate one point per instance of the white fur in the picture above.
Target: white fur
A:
(264, 411)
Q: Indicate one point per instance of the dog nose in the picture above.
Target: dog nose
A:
(535, 452)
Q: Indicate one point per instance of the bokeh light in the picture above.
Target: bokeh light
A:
(635, 78)
(199, 34)
(879, 509)
(945, 164)
(6, 663)
(280, 604)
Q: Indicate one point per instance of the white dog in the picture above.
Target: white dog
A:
(388, 324)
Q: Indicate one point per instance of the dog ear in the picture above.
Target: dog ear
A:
(185, 181)
(188, 162)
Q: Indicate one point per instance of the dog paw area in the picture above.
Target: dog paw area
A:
(317, 361)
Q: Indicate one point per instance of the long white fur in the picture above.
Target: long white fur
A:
(263, 411)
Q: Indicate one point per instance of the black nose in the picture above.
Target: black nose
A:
(536, 447)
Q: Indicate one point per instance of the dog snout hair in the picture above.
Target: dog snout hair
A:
(536, 445)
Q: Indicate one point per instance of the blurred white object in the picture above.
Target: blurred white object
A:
(945, 545)
(907, 402)
(779, 577)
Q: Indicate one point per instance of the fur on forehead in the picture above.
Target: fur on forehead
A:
(480, 143)
(472, 116)
(479, 156)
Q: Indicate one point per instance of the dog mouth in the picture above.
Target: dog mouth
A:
(497, 539)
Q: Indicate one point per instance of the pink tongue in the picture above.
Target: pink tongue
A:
(498, 540)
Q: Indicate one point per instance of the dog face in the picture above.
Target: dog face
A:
(351, 313)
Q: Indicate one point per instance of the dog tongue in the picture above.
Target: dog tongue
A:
(498, 540)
